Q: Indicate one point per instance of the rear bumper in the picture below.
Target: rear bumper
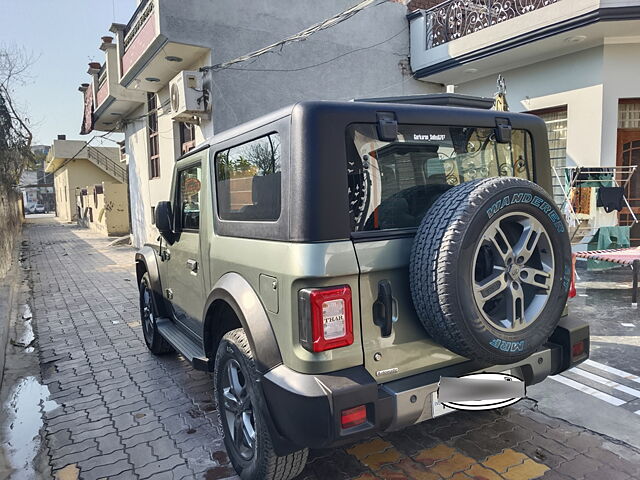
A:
(305, 410)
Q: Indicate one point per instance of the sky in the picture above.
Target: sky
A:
(63, 36)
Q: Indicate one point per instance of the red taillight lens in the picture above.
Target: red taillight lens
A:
(326, 320)
(353, 417)
(577, 349)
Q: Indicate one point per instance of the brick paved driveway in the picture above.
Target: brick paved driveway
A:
(123, 413)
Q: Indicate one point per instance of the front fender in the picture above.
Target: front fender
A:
(233, 289)
(147, 261)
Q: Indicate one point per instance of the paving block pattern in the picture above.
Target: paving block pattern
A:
(126, 414)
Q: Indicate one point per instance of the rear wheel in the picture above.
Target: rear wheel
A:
(148, 315)
(242, 413)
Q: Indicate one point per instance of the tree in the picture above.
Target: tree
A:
(15, 134)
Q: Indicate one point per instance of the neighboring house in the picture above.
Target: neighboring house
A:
(75, 165)
(364, 56)
(104, 208)
(573, 63)
(36, 185)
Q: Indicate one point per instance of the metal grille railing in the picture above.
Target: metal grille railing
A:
(137, 21)
(110, 166)
(456, 18)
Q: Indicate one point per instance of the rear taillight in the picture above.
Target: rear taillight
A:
(326, 320)
(578, 350)
(353, 417)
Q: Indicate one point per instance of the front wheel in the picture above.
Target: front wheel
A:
(241, 409)
(148, 315)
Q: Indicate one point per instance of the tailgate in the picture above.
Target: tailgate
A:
(407, 350)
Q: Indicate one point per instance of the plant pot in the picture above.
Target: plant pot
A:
(96, 65)
(107, 39)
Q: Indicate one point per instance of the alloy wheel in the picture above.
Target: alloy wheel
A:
(513, 272)
(238, 409)
(147, 313)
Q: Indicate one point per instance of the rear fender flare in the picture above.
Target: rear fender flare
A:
(233, 289)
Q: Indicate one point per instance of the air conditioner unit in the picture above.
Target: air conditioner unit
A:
(189, 100)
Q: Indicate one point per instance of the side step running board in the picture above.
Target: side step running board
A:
(184, 345)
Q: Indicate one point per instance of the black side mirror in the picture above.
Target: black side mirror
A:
(164, 220)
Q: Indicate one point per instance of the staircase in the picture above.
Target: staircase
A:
(108, 165)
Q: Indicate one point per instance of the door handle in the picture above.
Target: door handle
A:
(385, 308)
(192, 265)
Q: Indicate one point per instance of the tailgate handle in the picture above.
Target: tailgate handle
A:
(385, 308)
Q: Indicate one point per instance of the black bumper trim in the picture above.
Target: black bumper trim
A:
(305, 409)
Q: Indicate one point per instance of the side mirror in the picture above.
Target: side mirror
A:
(164, 220)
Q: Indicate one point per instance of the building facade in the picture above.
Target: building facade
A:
(573, 63)
(36, 185)
(364, 56)
(104, 208)
(568, 61)
(74, 165)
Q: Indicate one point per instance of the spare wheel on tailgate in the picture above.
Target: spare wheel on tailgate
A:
(490, 269)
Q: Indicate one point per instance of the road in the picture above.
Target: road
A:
(107, 408)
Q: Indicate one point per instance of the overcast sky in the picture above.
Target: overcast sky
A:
(63, 36)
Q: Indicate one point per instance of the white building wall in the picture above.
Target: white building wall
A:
(621, 80)
(145, 192)
(575, 81)
(375, 68)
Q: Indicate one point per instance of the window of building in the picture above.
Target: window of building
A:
(556, 120)
(629, 113)
(189, 184)
(392, 185)
(248, 180)
(154, 139)
(187, 137)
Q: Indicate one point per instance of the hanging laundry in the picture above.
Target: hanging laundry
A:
(610, 198)
(581, 200)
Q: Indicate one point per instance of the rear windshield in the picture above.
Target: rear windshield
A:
(393, 184)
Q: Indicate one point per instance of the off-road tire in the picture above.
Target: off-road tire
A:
(441, 270)
(155, 342)
(264, 464)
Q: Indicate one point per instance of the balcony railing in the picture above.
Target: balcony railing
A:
(456, 18)
(137, 21)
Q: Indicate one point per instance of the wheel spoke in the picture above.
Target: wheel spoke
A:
(515, 306)
(247, 429)
(230, 401)
(528, 241)
(498, 239)
(234, 379)
(238, 436)
(488, 289)
(537, 278)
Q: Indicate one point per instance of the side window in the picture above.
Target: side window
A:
(189, 183)
(248, 180)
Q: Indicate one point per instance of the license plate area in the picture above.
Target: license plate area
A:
(438, 408)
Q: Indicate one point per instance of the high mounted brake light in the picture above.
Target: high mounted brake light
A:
(326, 320)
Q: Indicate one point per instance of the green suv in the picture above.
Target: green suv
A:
(331, 262)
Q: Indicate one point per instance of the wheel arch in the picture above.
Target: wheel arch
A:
(233, 303)
(146, 262)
